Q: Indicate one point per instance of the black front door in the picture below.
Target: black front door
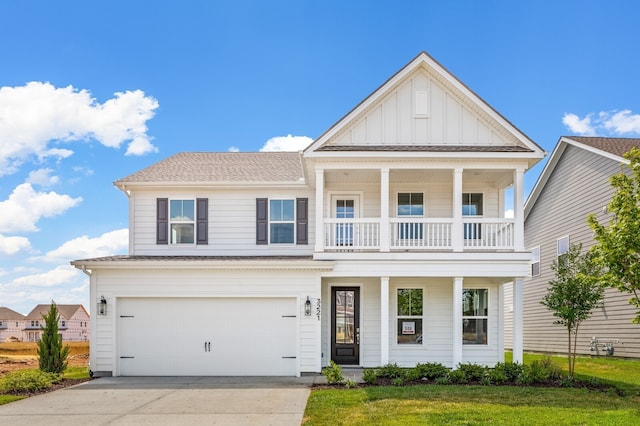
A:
(345, 325)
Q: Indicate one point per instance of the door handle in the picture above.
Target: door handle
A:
(358, 335)
(207, 346)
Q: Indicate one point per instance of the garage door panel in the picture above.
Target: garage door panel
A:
(234, 336)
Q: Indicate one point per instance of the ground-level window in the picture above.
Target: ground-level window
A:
(535, 261)
(475, 316)
(281, 221)
(182, 221)
(410, 314)
(563, 245)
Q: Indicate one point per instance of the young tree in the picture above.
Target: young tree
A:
(618, 244)
(576, 290)
(52, 356)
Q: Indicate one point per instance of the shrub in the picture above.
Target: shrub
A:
(369, 375)
(391, 371)
(350, 384)
(540, 371)
(398, 381)
(28, 381)
(458, 377)
(505, 372)
(333, 373)
(431, 370)
(472, 372)
(443, 380)
(52, 355)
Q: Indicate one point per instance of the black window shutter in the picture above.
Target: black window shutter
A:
(202, 221)
(162, 221)
(302, 221)
(262, 221)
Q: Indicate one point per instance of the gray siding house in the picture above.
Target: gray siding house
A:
(573, 184)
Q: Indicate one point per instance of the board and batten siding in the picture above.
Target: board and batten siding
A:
(420, 110)
(579, 185)
(231, 223)
(202, 283)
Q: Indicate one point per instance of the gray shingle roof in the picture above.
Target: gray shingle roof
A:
(138, 258)
(10, 314)
(426, 148)
(615, 146)
(66, 311)
(223, 167)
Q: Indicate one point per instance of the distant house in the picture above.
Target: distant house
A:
(11, 324)
(384, 241)
(73, 324)
(573, 184)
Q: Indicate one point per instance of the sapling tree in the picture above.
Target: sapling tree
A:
(618, 243)
(52, 355)
(574, 293)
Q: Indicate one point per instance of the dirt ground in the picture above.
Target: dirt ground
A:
(23, 356)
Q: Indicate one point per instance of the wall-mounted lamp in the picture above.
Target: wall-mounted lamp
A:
(102, 306)
(307, 307)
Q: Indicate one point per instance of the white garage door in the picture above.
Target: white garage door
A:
(207, 337)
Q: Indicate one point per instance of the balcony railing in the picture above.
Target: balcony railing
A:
(363, 234)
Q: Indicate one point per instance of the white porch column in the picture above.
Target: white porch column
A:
(384, 209)
(457, 321)
(384, 320)
(518, 209)
(457, 234)
(518, 340)
(319, 210)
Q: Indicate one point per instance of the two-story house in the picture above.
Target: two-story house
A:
(11, 323)
(73, 323)
(384, 241)
(575, 183)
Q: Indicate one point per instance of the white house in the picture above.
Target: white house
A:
(11, 324)
(73, 323)
(384, 241)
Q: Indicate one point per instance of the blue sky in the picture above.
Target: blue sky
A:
(93, 91)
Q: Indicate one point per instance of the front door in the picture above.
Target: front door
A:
(345, 325)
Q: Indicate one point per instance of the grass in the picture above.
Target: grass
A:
(499, 405)
(30, 348)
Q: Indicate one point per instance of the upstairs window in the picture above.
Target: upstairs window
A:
(535, 261)
(410, 313)
(472, 206)
(182, 221)
(475, 316)
(563, 245)
(410, 204)
(281, 221)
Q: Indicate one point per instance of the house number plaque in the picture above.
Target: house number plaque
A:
(318, 306)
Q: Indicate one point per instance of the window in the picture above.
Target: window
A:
(182, 221)
(63, 323)
(281, 221)
(535, 261)
(472, 206)
(410, 307)
(475, 315)
(563, 245)
(410, 204)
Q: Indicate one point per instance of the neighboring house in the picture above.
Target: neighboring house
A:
(10, 325)
(573, 184)
(384, 241)
(73, 324)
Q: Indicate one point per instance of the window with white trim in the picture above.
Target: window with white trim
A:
(535, 261)
(563, 245)
(472, 205)
(410, 303)
(282, 221)
(182, 221)
(475, 316)
(410, 204)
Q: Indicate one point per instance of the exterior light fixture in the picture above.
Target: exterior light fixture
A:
(102, 306)
(307, 307)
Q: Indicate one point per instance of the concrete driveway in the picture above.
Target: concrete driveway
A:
(167, 401)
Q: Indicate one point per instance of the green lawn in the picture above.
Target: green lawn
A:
(476, 405)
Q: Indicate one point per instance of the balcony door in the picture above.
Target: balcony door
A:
(345, 207)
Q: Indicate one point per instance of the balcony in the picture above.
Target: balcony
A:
(407, 234)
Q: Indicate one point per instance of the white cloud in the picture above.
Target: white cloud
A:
(578, 125)
(61, 275)
(508, 213)
(233, 149)
(287, 143)
(604, 123)
(13, 245)
(24, 207)
(42, 177)
(36, 115)
(107, 244)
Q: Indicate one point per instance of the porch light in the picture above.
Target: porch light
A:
(307, 307)
(102, 306)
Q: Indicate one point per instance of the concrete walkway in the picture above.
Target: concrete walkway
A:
(168, 401)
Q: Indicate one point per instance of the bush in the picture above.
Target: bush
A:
(457, 377)
(505, 372)
(28, 381)
(431, 370)
(391, 371)
(540, 371)
(472, 372)
(333, 373)
(398, 381)
(52, 356)
(369, 375)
